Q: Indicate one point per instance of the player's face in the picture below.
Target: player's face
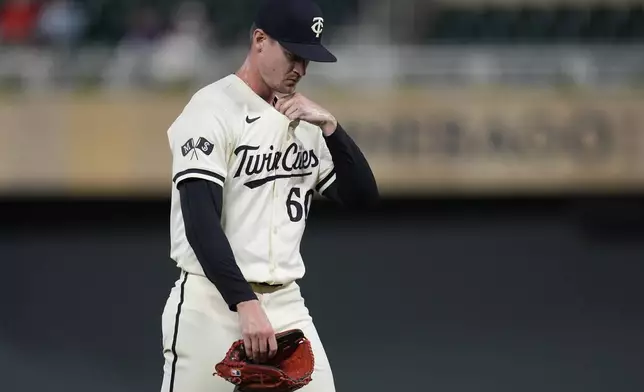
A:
(281, 69)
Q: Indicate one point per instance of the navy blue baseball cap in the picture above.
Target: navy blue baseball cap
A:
(298, 26)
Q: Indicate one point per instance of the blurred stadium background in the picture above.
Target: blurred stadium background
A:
(507, 137)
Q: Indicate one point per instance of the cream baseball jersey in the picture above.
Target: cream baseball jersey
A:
(269, 168)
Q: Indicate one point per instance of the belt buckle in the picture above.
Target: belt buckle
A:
(264, 287)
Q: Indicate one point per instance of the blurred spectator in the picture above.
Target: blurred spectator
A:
(179, 53)
(145, 27)
(62, 23)
(425, 15)
(130, 63)
(18, 20)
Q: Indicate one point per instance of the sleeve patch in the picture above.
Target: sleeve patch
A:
(202, 146)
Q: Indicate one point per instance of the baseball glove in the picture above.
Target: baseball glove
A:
(289, 370)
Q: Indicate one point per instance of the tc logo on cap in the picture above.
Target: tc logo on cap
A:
(318, 25)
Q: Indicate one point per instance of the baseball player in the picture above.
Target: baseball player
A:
(248, 155)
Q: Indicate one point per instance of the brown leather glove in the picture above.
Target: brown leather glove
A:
(289, 370)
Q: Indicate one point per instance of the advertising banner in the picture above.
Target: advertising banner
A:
(418, 142)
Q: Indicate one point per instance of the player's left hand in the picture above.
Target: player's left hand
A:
(297, 107)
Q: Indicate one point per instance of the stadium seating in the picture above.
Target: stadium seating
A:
(599, 24)
(109, 19)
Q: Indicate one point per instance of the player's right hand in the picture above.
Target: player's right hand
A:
(257, 331)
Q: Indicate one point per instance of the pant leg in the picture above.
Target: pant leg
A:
(286, 309)
(198, 329)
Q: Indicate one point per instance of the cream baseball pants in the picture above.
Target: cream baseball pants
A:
(198, 328)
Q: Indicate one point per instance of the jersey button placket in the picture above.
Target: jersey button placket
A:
(277, 205)
(275, 211)
(273, 229)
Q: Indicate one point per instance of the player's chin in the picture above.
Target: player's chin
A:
(288, 86)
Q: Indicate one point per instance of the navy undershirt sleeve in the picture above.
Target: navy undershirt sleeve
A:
(355, 185)
(201, 205)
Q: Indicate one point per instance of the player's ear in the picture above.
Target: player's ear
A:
(259, 39)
